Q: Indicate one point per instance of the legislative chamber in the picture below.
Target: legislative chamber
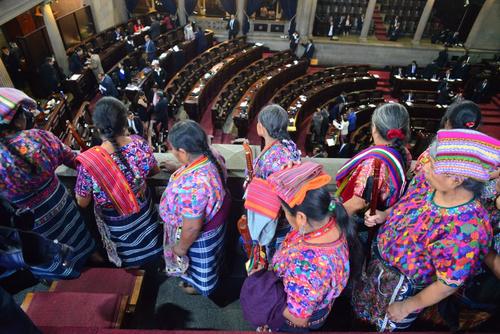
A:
(97, 77)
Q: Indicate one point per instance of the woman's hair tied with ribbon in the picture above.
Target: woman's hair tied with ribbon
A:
(395, 133)
(470, 125)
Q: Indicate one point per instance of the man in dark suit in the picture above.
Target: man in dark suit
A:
(294, 41)
(308, 49)
(480, 91)
(431, 70)
(160, 115)
(123, 75)
(149, 48)
(134, 125)
(461, 71)
(233, 26)
(411, 70)
(159, 74)
(118, 35)
(13, 65)
(129, 44)
(107, 86)
(442, 58)
(75, 61)
(49, 77)
(201, 40)
(155, 28)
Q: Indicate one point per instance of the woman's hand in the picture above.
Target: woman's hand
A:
(378, 218)
(179, 251)
(291, 164)
(398, 311)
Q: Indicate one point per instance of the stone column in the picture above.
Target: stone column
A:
(181, 12)
(241, 6)
(55, 38)
(108, 13)
(484, 32)
(424, 18)
(303, 16)
(368, 20)
(4, 76)
(312, 16)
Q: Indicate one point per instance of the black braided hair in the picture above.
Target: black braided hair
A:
(462, 115)
(110, 119)
(189, 136)
(28, 164)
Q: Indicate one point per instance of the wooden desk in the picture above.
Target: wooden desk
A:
(142, 81)
(401, 84)
(211, 82)
(261, 92)
(53, 119)
(306, 103)
(84, 87)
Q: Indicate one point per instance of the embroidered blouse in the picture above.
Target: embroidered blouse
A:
(141, 160)
(195, 190)
(427, 242)
(276, 156)
(313, 274)
(44, 150)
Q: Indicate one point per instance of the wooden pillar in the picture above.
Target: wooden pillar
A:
(240, 12)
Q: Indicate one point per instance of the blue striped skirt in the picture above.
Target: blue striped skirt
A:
(205, 256)
(58, 218)
(132, 240)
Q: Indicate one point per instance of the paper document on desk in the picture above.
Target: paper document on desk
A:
(132, 87)
(330, 142)
(176, 48)
(243, 104)
(196, 91)
(75, 77)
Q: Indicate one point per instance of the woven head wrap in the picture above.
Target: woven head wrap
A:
(10, 100)
(466, 153)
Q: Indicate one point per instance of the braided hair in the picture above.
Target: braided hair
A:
(110, 119)
(462, 115)
(393, 116)
(189, 136)
(27, 165)
(275, 120)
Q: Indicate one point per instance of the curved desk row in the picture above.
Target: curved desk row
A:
(262, 91)
(235, 88)
(212, 81)
(400, 84)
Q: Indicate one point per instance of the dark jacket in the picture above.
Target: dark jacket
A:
(236, 26)
(308, 50)
(139, 128)
(155, 29)
(107, 87)
(75, 64)
(48, 76)
(160, 77)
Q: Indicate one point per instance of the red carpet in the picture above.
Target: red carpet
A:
(380, 29)
(74, 309)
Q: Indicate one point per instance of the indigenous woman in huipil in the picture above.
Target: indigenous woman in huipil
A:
(431, 244)
(28, 181)
(313, 265)
(278, 151)
(390, 130)
(194, 207)
(114, 175)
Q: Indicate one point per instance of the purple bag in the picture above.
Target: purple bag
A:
(263, 300)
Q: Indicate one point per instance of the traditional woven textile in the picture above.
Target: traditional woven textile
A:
(466, 153)
(261, 198)
(292, 184)
(10, 99)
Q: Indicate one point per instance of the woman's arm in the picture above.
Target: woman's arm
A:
(429, 296)
(300, 322)
(191, 228)
(354, 204)
(83, 202)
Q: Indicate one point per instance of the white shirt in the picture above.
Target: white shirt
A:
(343, 126)
(131, 124)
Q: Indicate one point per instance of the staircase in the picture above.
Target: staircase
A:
(490, 123)
(380, 29)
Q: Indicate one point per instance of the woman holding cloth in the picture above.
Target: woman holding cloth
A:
(430, 245)
(194, 207)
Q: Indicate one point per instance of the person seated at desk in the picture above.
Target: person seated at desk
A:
(159, 74)
(431, 70)
(461, 70)
(149, 48)
(107, 86)
(134, 124)
(75, 61)
(167, 22)
(155, 28)
(119, 36)
(189, 31)
(138, 26)
(123, 75)
(411, 70)
(233, 27)
(447, 75)
(308, 49)
(94, 63)
(48, 76)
